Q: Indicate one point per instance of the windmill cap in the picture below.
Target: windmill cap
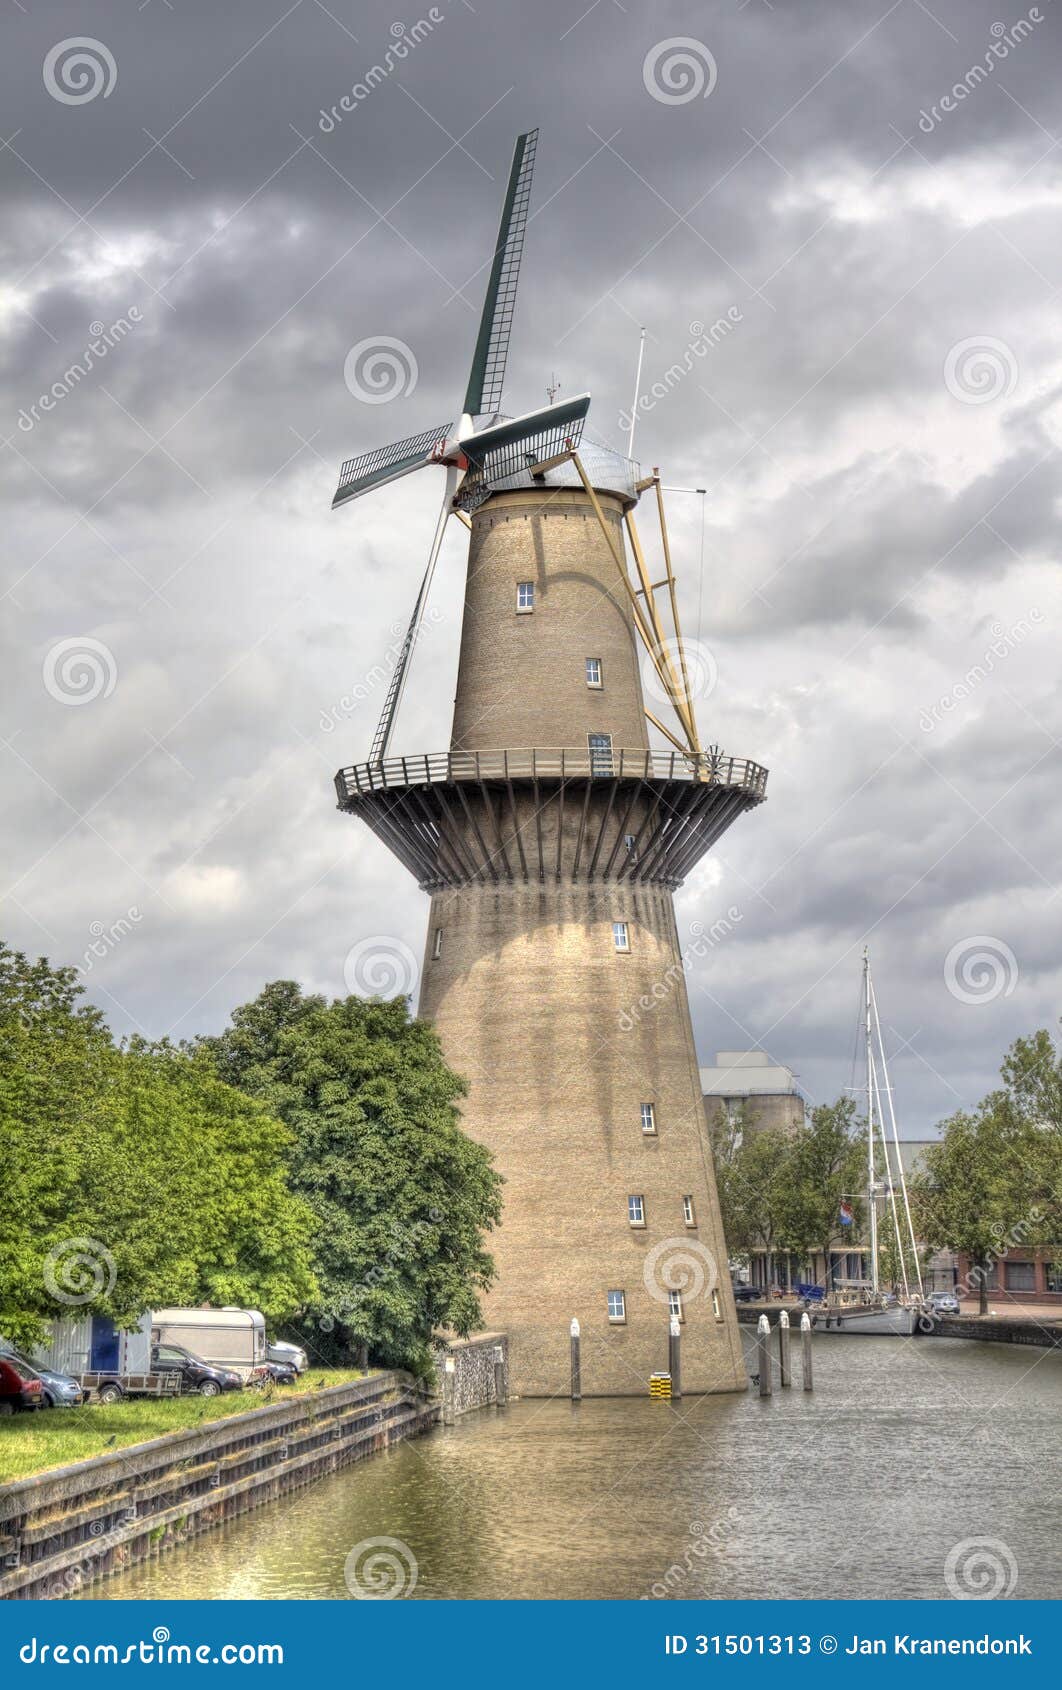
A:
(607, 472)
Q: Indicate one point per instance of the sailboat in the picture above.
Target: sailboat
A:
(873, 1311)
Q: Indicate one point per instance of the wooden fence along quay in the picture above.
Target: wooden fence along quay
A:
(69, 1527)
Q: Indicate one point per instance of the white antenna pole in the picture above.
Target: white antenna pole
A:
(896, 1142)
(637, 392)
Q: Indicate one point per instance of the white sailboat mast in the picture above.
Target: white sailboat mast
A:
(872, 1202)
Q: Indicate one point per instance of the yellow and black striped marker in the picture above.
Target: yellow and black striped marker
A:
(660, 1385)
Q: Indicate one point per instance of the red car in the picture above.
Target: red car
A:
(19, 1388)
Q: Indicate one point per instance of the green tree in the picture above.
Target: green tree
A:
(827, 1166)
(130, 1177)
(754, 1176)
(401, 1195)
(994, 1180)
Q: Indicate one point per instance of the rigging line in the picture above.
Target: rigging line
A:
(700, 574)
(890, 1185)
(896, 1141)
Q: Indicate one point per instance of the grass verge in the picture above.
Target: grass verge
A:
(54, 1437)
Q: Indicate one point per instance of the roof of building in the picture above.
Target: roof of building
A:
(747, 1073)
(607, 471)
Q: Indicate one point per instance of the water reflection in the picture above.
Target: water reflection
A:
(859, 1490)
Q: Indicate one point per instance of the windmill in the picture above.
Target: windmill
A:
(551, 836)
(484, 449)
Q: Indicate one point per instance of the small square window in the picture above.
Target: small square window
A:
(621, 936)
(525, 595)
(436, 948)
(687, 1211)
(636, 1211)
(593, 672)
(648, 1118)
(716, 1310)
(617, 1306)
(630, 845)
(674, 1304)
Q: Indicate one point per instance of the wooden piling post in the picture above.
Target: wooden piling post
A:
(449, 1392)
(674, 1359)
(785, 1376)
(499, 1376)
(763, 1346)
(577, 1384)
(805, 1349)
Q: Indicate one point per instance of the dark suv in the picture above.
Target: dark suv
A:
(196, 1375)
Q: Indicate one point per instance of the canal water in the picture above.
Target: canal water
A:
(904, 1455)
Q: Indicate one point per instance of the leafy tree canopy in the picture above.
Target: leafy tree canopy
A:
(132, 1177)
(402, 1198)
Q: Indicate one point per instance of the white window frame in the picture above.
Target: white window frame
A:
(636, 1209)
(621, 937)
(619, 1318)
(601, 756)
(594, 664)
(716, 1309)
(630, 845)
(674, 1305)
(521, 608)
(436, 946)
(648, 1114)
(688, 1212)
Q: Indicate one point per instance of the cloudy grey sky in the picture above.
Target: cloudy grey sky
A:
(878, 434)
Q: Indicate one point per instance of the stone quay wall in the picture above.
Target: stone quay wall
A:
(73, 1526)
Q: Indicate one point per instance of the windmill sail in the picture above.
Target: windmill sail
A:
(487, 375)
(387, 463)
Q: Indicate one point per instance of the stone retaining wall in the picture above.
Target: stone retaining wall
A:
(471, 1384)
(67, 1528)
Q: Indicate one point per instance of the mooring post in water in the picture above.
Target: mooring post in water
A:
(449, 1383)
(763, 1346)
(577, 1384)
(674, 1359)
(784, 1375)
(805, 1349)
(499, 1376)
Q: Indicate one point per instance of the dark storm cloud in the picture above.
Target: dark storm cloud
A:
(876, 520)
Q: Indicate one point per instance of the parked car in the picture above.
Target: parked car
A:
(230, 1338)
(196, 1374)
(61, 1390)
(293, 1355)
(749, 1294)
(944, 1302)
(275, 1373)
(20, 1388)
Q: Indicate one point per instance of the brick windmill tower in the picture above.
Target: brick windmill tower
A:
(551, 837)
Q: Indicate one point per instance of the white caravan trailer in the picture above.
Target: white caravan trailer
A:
(229, 1337)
